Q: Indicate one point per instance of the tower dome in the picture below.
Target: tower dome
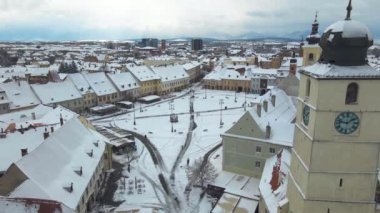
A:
(346, 42)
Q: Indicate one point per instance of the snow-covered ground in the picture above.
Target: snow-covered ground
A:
(154, 122)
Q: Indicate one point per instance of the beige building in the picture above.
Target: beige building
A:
(259, 134)
(105, 91)
(335, 159)
(88, 94)
(149, 81)
(193, 69)
(173, 78)
(59, 93)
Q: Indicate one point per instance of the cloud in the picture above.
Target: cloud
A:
(59, 19)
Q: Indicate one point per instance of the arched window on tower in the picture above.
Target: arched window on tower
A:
(311, 57)
(352, 93)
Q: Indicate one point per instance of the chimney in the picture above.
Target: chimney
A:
(24, 152)
(61, 119)
(267, 131)
(259, 110)
(265, 105)
(293, 66)
(46, 134)
(21, 129)
(276, 173)
(71, 187)
(33, 115)
(273, 100)
(275, 180)
(52, 129)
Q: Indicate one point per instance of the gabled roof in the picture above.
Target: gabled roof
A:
(171, 72)
(56, 92)
(100, 83)
(20, 94)
(124, 81)
(143, 73)
(80, 83)
(280, 118)
(51, 166)
(31, 138)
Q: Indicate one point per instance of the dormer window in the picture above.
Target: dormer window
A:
(352, 93)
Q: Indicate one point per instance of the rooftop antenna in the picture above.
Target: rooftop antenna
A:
(349, 9)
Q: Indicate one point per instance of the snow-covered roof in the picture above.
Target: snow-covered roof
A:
(56, 92)
(100, 83)
(230, 74)
(274, 181)
(80, 83)
(230, 203)
(124, 81)
(30, 139)
(239, 185)
(191, 65)
(328, 71)
(280, 118)
(143, 73)
(51, 166)
(171, 72)
(286, 62)
(25, 205)
(350, 29)
(20, 94)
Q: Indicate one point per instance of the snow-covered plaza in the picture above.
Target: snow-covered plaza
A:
(214, 112)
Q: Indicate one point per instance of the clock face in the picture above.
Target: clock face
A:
(346, 122)
(306, 115)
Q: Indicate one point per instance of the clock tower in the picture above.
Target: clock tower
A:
(311, 51)
(335, 158)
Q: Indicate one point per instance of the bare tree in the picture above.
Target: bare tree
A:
(201, 173)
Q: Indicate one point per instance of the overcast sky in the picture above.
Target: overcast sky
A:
(123, 19)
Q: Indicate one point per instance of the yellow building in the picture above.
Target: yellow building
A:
(149, 81)
(335, 158)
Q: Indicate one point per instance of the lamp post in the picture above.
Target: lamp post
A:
(221, 102)
(171, 107)
(134, 113)
(245, 100)
(205, 92)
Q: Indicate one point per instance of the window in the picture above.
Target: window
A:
(272, 150)
(352, 93)
(258, 164)
(258, 148)
(307, 87)
(311, 57)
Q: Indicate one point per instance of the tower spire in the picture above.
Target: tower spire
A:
(349, 9)
(316, 17)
